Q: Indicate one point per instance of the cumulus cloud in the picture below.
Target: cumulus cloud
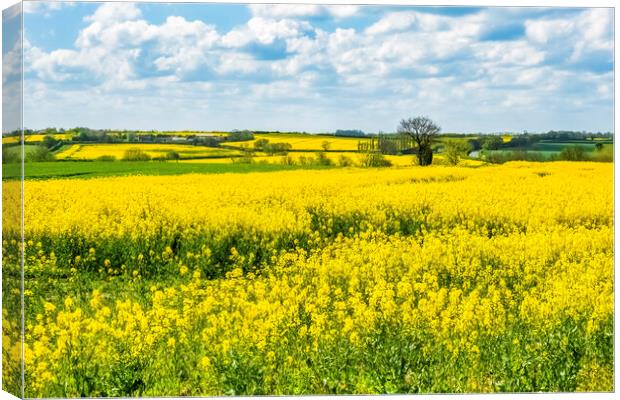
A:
(388, 63)
(399, 21)
(589, 36)
(264, 31)
(45, 7)
(303, 10)
(114, 12)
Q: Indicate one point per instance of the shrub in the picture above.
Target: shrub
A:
(344, 161)
(39, 153)
(135, 155)
(375, 159)
(322, 159)
(276, 148)
(173, 155)
(606, 154)
(454, 149)
(240, 136)
(492, 142)
(50, 141)
(303, 160)
(287, 160)
(516, 155)
(246, 158)
(11, 154)
(106, 158)
(573, 153)
(260, 144)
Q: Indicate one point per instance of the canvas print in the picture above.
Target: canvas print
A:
(207, 199)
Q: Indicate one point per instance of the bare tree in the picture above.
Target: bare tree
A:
(422, 130)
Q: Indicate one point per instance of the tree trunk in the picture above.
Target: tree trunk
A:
(425, 155)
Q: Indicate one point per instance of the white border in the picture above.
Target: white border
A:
(540, 3)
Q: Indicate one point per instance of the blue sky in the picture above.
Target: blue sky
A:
(317, 68)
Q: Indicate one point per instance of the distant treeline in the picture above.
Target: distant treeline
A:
(350, 133)
(89, 134)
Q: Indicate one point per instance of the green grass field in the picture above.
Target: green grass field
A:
(549, 149)
(91, 169)
(545, 146)
(28, 148)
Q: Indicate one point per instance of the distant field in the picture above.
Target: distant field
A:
(91, 169)
(335, 157)
(558, 146)
(16, 149)
(10, 139)
(552, 148)
(301, 141)
(34, 138)
(182, 133)
(94, 151)
(39, 138)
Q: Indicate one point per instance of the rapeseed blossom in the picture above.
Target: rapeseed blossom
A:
(340, 281)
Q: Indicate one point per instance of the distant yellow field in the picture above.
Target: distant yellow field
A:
(10, 139)
(309, 142)
(335, 157)
(39, 138)
(182, 133)
(35, 138)
(94, 151)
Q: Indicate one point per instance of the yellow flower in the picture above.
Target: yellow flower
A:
(49, 307)
(205, 363)
(69, 302)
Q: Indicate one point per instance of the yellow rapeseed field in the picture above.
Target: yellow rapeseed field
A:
(10, 139)
(117, 150)
(401, 280)
(310, 142)
(35, 138)
(337, 158)
(182, 133)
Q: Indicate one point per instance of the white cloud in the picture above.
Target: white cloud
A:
(231, 62)
(183, 45)
(392, 22)
(508, 53)
(343, 11)
(585, 36)
(302, 10)
(404, 61)
(264, 31)
(45, 7)
(284, 10)
(542, 31)
(399, 21)
(113, 41)
(111, 13)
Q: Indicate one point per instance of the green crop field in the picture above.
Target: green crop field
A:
(90, 169)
